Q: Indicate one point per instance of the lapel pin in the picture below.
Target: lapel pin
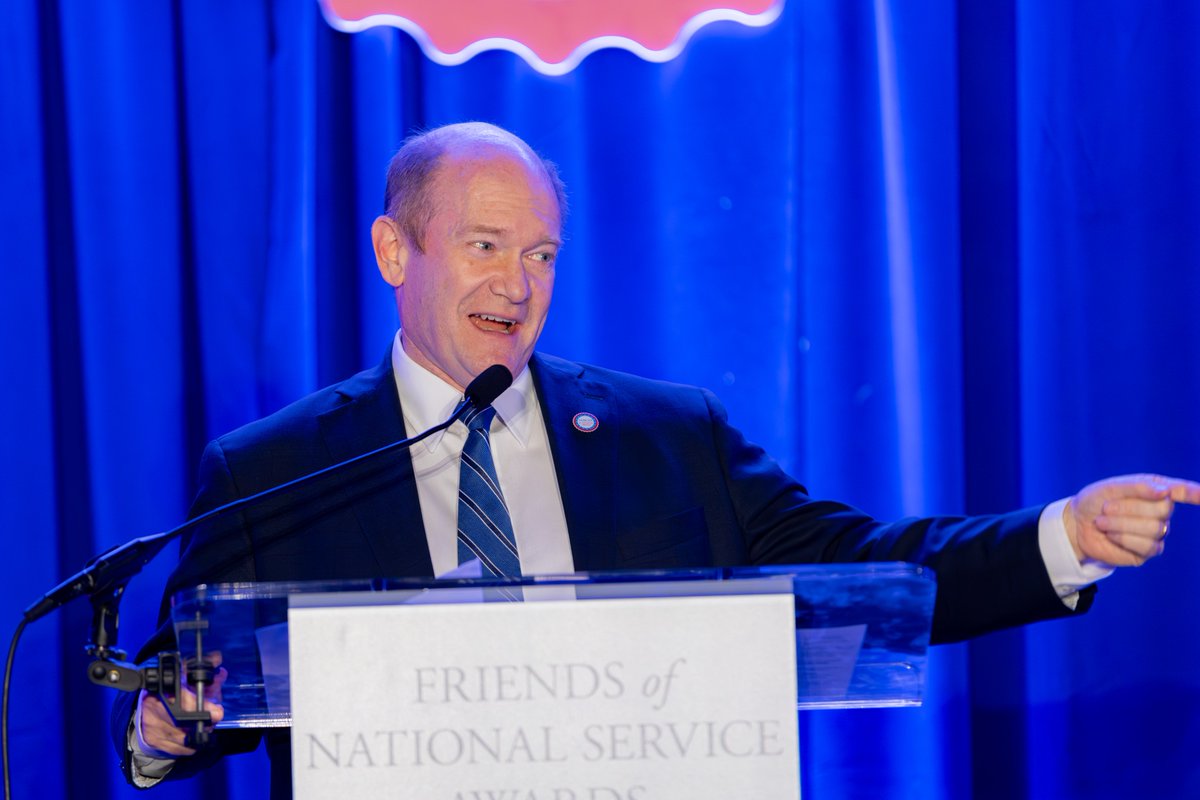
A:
(585, 422)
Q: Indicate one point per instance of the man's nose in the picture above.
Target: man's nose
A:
(511, 280)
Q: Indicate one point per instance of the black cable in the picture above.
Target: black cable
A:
(12, 653)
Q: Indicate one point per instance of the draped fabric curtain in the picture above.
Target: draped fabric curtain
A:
(936, 256)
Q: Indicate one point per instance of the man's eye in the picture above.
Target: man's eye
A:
(546, 258)
(484, 245)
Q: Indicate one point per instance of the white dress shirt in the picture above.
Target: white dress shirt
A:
(520, 450)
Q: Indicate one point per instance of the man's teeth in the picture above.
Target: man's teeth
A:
(507, 323)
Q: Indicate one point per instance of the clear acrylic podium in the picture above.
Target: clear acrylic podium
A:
(862, 630)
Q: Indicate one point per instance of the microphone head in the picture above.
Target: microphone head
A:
(489, 385)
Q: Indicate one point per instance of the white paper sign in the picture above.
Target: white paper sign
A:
(684, 698)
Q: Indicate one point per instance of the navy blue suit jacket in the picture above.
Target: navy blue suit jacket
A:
(663, 482)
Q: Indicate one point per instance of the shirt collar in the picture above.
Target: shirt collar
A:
(427, 400)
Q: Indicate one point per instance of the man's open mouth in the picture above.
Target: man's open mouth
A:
(490, 322)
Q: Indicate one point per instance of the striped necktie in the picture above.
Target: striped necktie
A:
(484, 528)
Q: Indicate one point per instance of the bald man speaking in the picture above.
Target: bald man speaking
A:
(586, 469)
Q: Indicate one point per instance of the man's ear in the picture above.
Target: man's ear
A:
(391, 249)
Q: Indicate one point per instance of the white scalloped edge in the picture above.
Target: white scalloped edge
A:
(577, 55)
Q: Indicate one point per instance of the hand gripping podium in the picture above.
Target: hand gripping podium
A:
(603, 686)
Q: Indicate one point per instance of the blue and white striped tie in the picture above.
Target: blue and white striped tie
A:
(484, 527)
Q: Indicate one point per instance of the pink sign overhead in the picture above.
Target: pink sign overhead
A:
(552, 35)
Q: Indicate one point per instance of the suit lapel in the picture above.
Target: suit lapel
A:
(390, 517)
(584, 462)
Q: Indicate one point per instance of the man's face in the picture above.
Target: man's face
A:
(479, 293)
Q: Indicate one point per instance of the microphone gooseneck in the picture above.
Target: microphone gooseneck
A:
(116, 566)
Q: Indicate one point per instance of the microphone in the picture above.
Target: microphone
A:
(116, 566)
(490, 384)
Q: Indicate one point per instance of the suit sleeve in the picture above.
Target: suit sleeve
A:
(989, 569)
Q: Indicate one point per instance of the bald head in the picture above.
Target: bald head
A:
(408, 198)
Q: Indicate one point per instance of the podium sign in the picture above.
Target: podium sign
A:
(669, 698)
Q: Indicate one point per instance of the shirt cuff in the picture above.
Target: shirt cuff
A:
(147, 770)
(1066, 573)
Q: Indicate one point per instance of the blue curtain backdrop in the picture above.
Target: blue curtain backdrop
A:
(937, 256)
